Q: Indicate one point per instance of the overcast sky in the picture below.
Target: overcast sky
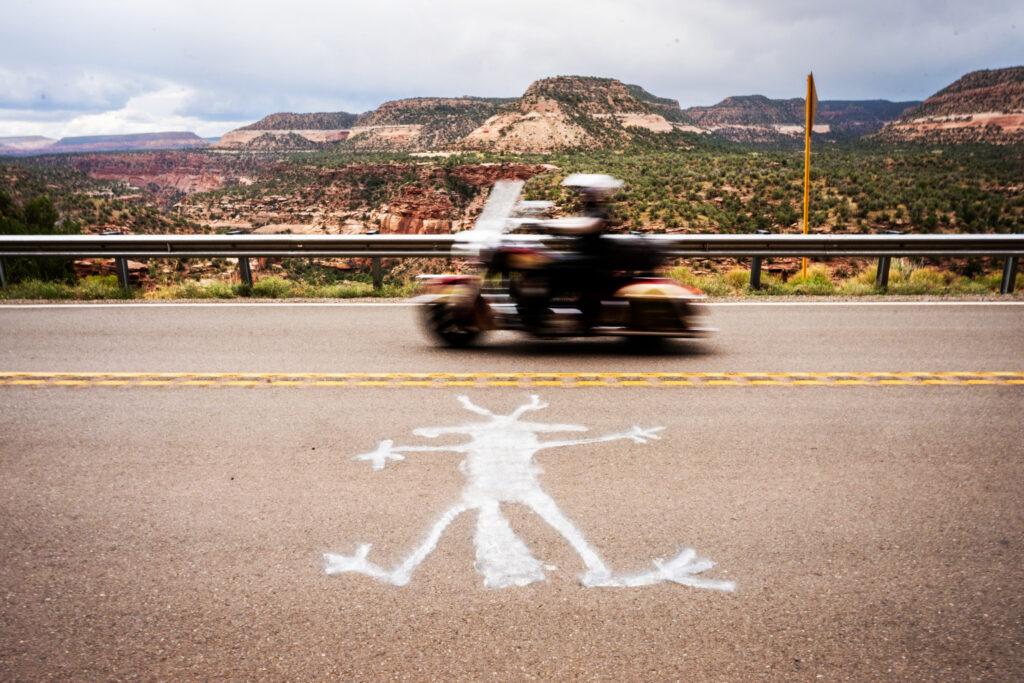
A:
(81, 67)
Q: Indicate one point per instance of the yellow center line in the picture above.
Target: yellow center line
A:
(514, 379)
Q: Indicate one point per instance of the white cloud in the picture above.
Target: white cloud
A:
(155, 111)
(66, 88)
(241, 60)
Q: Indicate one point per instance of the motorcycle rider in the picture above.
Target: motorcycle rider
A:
(583, 273)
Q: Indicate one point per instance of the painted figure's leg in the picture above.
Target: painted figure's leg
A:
(501, 556)
(399, 576)
(545, 506)
(404, 570)
(681, 569)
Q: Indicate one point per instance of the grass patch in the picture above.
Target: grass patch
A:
(91, 287)
(275, 287)
(101, 287)
(904, 279)
(197, 290)
(712, 284)
(737, 279)
(817, 282)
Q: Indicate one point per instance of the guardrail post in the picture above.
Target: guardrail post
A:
(122, 272)
(245, 270)
(882, 274)
(3, 274)
(755, 272)
(375, 271)
(1009, 275)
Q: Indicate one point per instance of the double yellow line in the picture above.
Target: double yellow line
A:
(507, 379)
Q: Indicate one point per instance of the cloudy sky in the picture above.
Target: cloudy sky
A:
(81, 67)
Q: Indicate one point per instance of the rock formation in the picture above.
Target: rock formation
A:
(564, 112)
(982, 106)
(756, 118)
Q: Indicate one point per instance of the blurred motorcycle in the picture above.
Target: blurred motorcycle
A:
(558, 277)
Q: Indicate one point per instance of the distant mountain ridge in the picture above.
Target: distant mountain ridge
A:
(756, 118)
(24, 143)
(562, 112)
(982, 106)
(586, 112)
(323, 120)
(34, 145)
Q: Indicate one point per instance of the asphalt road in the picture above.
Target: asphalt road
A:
(180, 532)
(758, 337)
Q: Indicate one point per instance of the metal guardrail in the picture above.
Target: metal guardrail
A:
(376, 247)
(206, 246)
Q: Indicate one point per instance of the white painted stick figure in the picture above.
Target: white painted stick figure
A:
(500, 468)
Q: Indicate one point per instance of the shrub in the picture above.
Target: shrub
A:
(345, 290)
(818, 281)
(932, 277)
(101, 287)
(37, 289)
(853, 287)
(923, 281)
(712, 285)
(738, 279)
(683, 275)
(272, 287)
(966, 285)
(195, 290)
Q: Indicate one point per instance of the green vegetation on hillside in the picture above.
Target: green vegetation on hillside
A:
(35, 217)
(711, 187)
(89, 204)
(721, 187)
(855, 188)
(314, 121)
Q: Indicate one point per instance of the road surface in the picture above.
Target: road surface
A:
(174, 476)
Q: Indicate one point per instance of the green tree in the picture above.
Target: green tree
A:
(37, 217)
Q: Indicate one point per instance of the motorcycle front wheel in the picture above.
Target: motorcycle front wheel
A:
(452, 324)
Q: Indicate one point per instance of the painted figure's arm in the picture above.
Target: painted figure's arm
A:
(388, 451)
(636, 435)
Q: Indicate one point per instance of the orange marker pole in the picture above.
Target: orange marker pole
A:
(811, 104)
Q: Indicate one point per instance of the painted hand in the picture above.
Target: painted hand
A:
(380, 457)
(641, 435)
